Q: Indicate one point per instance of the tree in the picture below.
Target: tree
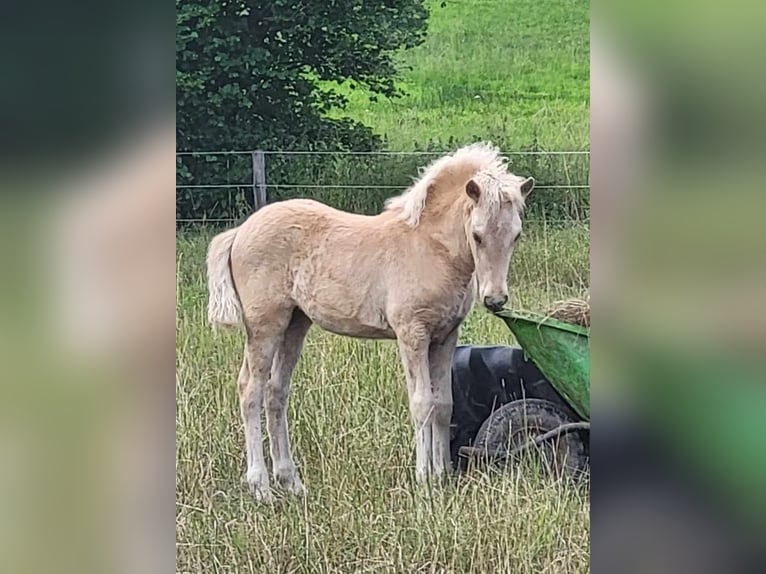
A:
(256, 73)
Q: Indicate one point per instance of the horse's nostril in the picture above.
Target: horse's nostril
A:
(495, 303)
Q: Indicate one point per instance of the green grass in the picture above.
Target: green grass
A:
(514, 71)
(353, 444)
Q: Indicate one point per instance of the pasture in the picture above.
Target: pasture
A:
(511, 71)
(353, 443)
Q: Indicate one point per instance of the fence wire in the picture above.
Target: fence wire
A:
(364, 153)
(358, 181)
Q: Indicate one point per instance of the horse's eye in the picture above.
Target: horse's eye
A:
(477, 238)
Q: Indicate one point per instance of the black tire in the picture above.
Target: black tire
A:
(518, 422)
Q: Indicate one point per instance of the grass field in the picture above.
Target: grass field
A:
(514, 71)
(353, 443)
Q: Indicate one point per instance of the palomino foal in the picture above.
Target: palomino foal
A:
(406, 274)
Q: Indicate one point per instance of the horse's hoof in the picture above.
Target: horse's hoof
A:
(263, 495)
(258, 483)
(291, 483)
(296, 488)
(432, 478)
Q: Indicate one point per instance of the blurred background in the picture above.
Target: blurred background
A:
(677, 277)
(87, 291)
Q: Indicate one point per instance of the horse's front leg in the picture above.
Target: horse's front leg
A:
(414, 353)
(440, 361)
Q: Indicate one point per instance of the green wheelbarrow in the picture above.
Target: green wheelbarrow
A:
(561, 351)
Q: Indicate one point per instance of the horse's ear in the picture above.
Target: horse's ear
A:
(473, 191)
(527, 186)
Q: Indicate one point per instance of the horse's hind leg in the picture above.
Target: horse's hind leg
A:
(264, 336)
(277, 394)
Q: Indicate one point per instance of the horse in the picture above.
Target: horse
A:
(409, 273)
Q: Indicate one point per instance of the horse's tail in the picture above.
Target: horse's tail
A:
(224, 307)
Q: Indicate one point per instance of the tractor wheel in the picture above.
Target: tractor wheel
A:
(520, 422)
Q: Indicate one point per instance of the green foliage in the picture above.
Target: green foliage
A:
(249, 72)
(252, 74)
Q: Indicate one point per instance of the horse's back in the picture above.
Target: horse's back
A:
(275, 224)
(309, 222)
(299, 209)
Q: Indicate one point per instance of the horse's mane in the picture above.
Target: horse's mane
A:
(480, 161)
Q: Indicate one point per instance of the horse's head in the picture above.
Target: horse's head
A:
(493, 229)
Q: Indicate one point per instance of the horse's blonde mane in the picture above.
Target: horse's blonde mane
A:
(481, 162)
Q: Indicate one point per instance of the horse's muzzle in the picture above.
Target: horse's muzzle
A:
(495, 304)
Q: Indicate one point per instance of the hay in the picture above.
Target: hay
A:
(574, 311)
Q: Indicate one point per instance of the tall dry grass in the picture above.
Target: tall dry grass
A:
(353, 444)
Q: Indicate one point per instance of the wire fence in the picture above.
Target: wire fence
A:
(377, 153)
(224, 187)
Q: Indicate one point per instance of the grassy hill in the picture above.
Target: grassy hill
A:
(514, 71)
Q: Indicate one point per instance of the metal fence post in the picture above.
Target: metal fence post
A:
(259, 179)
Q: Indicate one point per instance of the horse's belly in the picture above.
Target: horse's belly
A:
(350, 326)
(356, 330)
(342, 300)
(343, 316)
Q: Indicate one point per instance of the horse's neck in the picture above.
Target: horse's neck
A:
(449, 227)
